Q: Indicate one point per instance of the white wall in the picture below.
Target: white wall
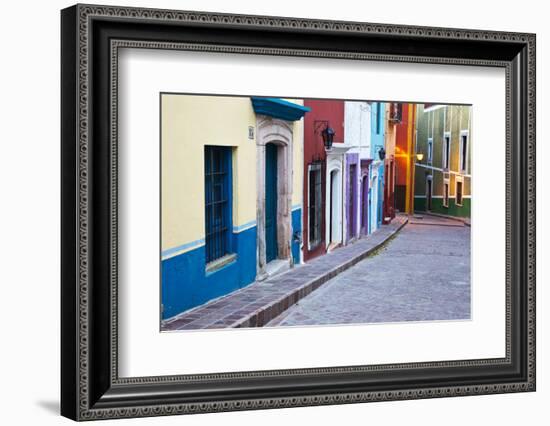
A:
(29, 213)
(357, 132)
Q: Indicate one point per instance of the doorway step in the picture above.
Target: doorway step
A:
(332, 246)
(276, 267)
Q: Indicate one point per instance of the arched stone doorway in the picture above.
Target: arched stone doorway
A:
(274, 191)
(334, 191)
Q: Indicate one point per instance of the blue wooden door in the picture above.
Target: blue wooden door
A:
(270, 202)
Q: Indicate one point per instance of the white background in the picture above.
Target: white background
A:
(146, 352)
(29, 225)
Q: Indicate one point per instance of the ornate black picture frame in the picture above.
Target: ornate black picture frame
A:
(90, 38)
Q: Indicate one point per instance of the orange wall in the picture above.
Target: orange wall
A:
(401, 148)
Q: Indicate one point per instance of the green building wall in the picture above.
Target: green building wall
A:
(433, 123)
(437, 207)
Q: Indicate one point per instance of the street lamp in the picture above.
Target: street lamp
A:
(419, 156)
(328, 137)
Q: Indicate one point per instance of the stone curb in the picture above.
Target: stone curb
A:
(437, 224)
(466, 222)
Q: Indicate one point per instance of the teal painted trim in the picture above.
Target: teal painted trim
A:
(377, 119)
(244, 227)
(181, 249)
(223, 242)
(279, 108)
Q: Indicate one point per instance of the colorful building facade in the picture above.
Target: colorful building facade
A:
(376, 175)
(443, 176)
(358, 160)
(393, 117)
(316, 233)
(335, 176)
(405, 159)
(250, 189)
(231, 197)
(346, 182)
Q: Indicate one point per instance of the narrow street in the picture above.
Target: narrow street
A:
(422, 274)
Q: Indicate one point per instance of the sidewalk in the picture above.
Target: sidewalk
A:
(260, 302)
(466, 221)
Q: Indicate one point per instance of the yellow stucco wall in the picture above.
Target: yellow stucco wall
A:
(188, 123)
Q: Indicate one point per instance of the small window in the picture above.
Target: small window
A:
(217, 185)
(315, 205)
(430, 149)
(396, 112)
(463, 151)
(446, 193)
(446, 151)
(459, 191)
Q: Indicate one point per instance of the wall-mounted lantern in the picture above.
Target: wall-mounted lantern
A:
(328, 137)
(382, 153)
(419, 156)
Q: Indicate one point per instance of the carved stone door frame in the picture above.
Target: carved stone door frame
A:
(278, 132)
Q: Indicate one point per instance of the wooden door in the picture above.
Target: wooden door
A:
(271, 202)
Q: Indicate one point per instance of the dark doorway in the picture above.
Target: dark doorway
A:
(271, 202)
(400, 197)
(365, 205)
(429, 193)
(352, 196)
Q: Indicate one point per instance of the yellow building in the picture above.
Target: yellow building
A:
(231, 196)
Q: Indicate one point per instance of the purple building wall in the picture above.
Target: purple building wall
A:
(364, 196)
(352, 194)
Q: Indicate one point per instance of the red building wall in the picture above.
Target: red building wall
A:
(322, 111)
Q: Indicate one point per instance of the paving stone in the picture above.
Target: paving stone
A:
(259, 303)
(421, 275)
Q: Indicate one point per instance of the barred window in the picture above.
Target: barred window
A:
(217, 185)
(315, 204)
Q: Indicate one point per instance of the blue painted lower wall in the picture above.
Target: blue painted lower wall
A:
(296, 235)
(185, 283)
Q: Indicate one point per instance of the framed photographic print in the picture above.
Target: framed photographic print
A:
(263, 212)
